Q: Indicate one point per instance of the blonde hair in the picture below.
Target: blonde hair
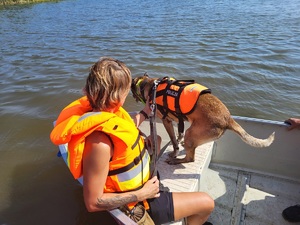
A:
(108, 82)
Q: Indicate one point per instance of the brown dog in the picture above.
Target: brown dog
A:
(187, 101)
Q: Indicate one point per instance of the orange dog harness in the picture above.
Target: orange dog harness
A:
(178, 97)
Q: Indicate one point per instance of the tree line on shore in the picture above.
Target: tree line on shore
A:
(17, 2)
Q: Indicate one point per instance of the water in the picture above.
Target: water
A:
(247, 52)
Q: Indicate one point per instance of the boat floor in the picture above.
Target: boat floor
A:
(248, 198)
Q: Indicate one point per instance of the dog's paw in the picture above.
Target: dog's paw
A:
(173, 154)
(175, 161)
(171, 161)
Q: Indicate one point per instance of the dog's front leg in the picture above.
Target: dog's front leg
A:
(179, 138)
(189, 157)
(170, 130)
(191, 141)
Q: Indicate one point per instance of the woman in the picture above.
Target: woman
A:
(103, 142)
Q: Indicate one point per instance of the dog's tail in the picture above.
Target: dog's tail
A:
(250, 140)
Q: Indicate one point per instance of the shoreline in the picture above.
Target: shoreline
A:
(22, 2)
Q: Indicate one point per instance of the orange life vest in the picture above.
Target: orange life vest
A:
(129, 166)
(178, 97)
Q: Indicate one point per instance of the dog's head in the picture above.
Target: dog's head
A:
(141, 86)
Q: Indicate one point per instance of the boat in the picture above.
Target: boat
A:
(250, 185)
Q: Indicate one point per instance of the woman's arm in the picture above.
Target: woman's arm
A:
(97, 153)
(143, 114)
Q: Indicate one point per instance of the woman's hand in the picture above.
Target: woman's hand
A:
(147, 108)
(294, 123)
(150, 189)
(143, 114)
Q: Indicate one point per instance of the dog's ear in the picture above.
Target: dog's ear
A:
(146, 74)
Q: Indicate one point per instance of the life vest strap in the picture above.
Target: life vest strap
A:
(136, 141)
(129, 166)
(165, 99)
(177, 108)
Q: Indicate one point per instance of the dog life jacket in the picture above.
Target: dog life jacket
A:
(178, 97)
(129, 165)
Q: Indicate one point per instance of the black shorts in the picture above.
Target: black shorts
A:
(162, 208)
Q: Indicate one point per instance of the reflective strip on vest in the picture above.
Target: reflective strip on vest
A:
(131, 174)
(86, 115)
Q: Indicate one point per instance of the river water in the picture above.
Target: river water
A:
(247, 52)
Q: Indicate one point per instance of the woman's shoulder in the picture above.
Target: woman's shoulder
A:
(98, 137)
